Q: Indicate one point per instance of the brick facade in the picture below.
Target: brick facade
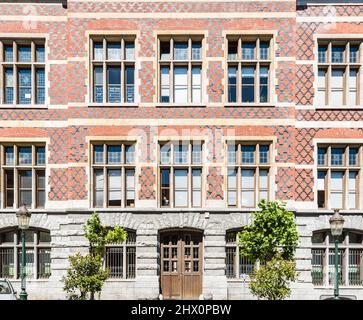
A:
(69, 121)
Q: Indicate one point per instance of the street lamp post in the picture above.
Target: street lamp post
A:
(23, 216)
(336, 227)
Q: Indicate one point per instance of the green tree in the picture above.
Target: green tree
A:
(272, 239)
(86, 276)
(272, 281)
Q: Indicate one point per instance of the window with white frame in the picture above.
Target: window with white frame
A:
(37, 254)
(238, 266)
(22, 71)
(338, 183)
(180, 174)
(112, 69)
(120, 259)
(350, 258)
(249, 62)
(113, 172)
(248, 173)
(339, 73)
(180, 69)
(23, 175)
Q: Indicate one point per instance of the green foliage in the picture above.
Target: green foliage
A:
(99, 236)
(273, 229)
(84, 277)
(272, 281)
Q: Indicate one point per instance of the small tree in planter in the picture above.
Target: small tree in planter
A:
(86, 276)
(272, 239)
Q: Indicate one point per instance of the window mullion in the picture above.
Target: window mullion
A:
(104, 74)
(124, 256)
(190, 70)
(35, 255)
(32, 73)
(2, 85)
(15, 175)
(171, 72)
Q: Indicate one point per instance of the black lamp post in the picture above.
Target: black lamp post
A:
(23, 216)
(336, 227)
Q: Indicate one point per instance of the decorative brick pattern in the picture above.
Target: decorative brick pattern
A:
(147, 180)
(304, 85)
(285, 183)
(58, 182)
(304, 181)
(77, 183)
(215, 184)
(215, 76)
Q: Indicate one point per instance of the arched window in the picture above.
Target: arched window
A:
(38, 262)
(237, 267)
(350, 258)
(121, 258)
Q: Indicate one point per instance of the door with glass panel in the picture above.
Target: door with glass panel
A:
(181, 265)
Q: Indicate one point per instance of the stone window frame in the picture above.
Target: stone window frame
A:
(123, 36)
(128, 250)
(16, 168)
(33, 40)
(36, 246)
(270, 166)
(188, 166)
(343, 40)
(324, 252)
(345, 144)
(269, 35)
(189, 36)
(105, 166)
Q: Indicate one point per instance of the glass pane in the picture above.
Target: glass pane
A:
(232, 153)
(129, 50)
(114, 187)
(99, 183)
(180, 51)
(354, 54)
(248, 84)
(353, 156)
(322, 156)
(353, 86)
(322, 51)
(40, 86)
(248, 154)
(114, 51)
(40, 153)
(165, 154)
(40, 53)
(264, 154)
(25, 155)
(44, 264)
(44, 237)
(337, 156)
(25, 86)
(98, 84)
(9, 156)
(98, 154)
(248, 188)
(197, 186)
(130, 187)
(25, 179)
(181, 85)
(98, 51)
(337, 84)
(114, 154)
(8, 53)
(26, 197)
(197, 51)
(24, 54)
(196, 84)
(9, 86)
(165, 84)
(264, 84)
(114, 84)
(7, 268)
(130, 153)
(130, 84)
(181, 153)
(165, 50)
(248, 50)
(196, 153)
(337, 54)
(264, 50)
(181, 187)
(232, 187)
(232, 84)
(40, 179)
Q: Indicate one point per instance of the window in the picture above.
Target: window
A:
(338, 183)
(121, 258)
(113, 166)
(249, 64)
(248, 173)
(180, 69)
(180, 170)
(22, 72)
(339, 68)
(350, 258)
(37, 257)
(23, 171)
(113, 69)
(237, 266)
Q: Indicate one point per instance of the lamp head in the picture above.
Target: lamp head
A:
(23, 216)
(336, 223)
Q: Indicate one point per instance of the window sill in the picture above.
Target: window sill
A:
(113, 105)
(246, 105)
(120, 280)
(179, 105)
(330, 287)
(239, 280)
(359, 107)
(23, 106)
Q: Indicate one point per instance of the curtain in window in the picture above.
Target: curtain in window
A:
(181, 187)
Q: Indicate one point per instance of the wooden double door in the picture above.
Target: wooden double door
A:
(181, 264)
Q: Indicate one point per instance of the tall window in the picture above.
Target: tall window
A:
(339, 69)
(180, 174)
(113, 167)
(248, 173)
(22, 68)
(237, 266)
(121, 258)
(113, 69)
(23, 172)
(249, 68)
(37, 256)
(350, 258)
(180, 69)
(338, 183)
